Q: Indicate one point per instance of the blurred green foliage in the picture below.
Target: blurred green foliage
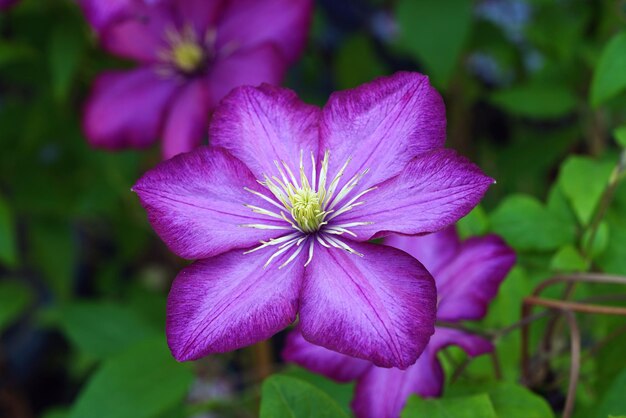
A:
(536, 95)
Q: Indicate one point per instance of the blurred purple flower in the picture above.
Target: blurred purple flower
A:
(190, 54)
(312, 186)
(5, 4)
(467, 275)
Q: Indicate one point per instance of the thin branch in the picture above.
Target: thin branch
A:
(576, 306)
(574, 363)
(605, 202)
(497, 369)
(519, 324)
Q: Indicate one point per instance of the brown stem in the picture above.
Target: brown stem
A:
(459, 370)
(598, 346)
(461, 327)
(525, 358)
(521, 323)
(574, 363)
(497, 369)
(605, 202)
(263, 359)
(575, 306)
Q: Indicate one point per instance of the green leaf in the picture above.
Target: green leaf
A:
(142, 382)
(475, 406)
(435, 32)
(609, 77)
(288, 397)
(600, 240)
(11, 52)
(568, 259)
(620, 135)
(536, 101)
(56, 413)
(613, 401)
(66, 47)
(613, 258)
(514, 401)
(357, 63)
(57, 265)
(103, 329)
(342, 393)
(583, 181)
(8, 252)
(14, 298)
(474, 223)
(527, 225)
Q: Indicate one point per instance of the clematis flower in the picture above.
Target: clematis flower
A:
(279, 210)
(5, 4)
(467, 275)
(190, 53)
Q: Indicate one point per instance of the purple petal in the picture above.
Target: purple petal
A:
(471, 279)
(187, 120)
(331, 364)
(382, 125)
(382, 393)
(100, 13)
(195, 202)
(141, 36)
(125, 109)
(434, 191)
(249, 67)
(230, 301)
(379, 307)
(249, 23)
(5, 4)
(263, 125)
(201, 14)
(432, 250)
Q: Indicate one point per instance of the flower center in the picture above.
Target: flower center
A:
(187, 56)
(185, 53)
(313, 205)
(306, 209)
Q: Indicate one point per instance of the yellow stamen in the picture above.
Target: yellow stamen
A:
(187, 56)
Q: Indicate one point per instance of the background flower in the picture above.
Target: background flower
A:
(190, 53)
(5, 4)
(377, 166)
(467, 275)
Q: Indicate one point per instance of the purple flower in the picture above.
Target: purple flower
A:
(5, 4)
(190, 54)
(467, 275)
(280, 208)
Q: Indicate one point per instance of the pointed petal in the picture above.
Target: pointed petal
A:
(432, 250)
(467, 284)
(331, 364)
(382, 393)
(133, 29)
(261, 125)
(284, 23)
(125, 108)
(379, 307)
(195, 202)
(434, 191)
(100, 13)
(187, 120)
(230, 301)
(249, 67)
(202, 14)
(382, 125)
